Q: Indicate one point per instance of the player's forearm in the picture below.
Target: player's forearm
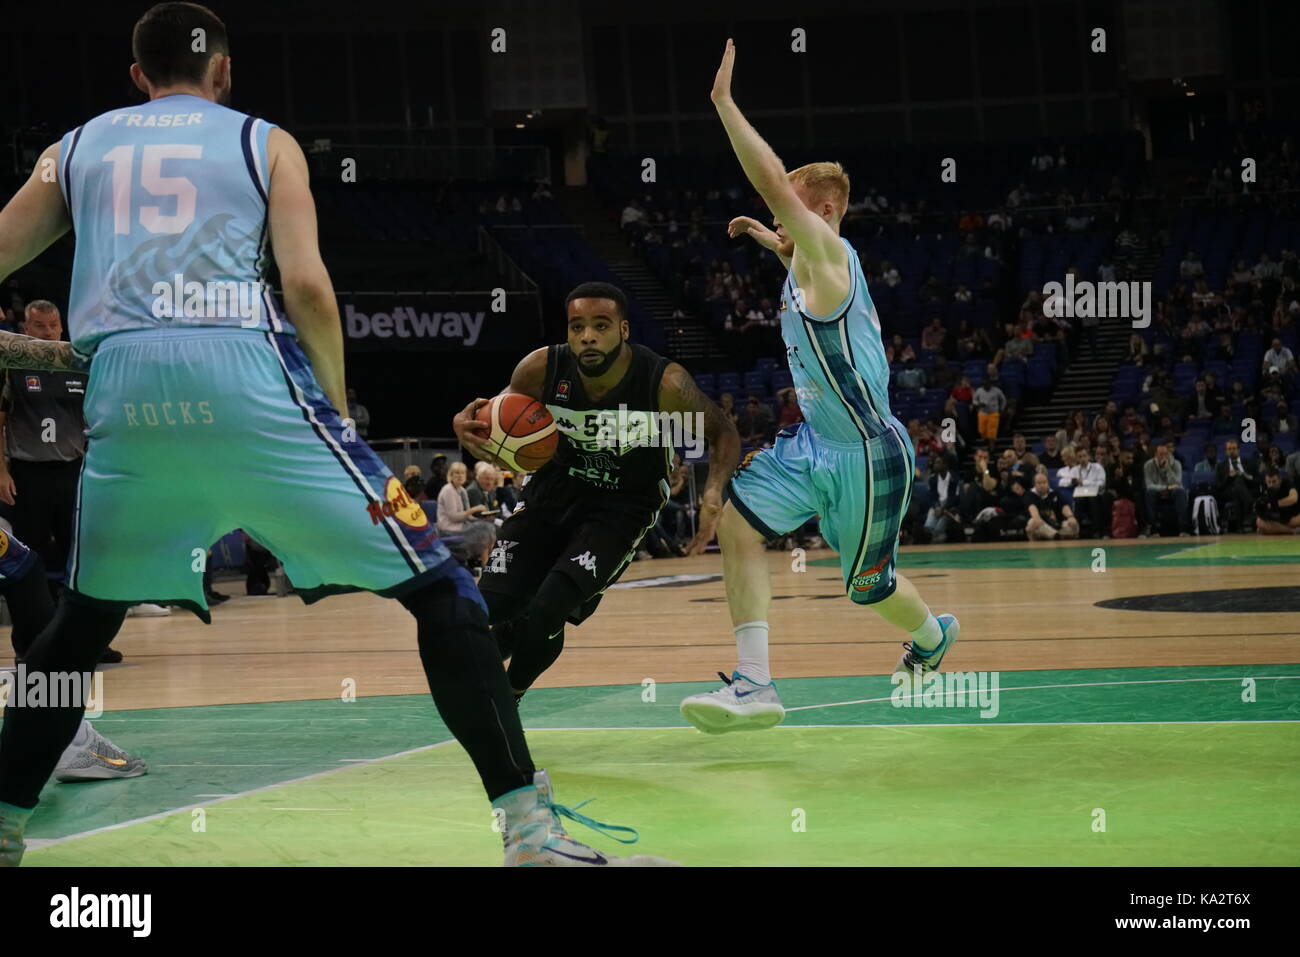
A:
(26, 352)
(724, 455)
(759, 161)
(315, 315)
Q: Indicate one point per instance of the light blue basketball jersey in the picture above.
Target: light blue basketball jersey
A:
(169, 203)
(838, 362)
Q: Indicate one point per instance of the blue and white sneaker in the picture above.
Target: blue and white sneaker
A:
(13, 822)
(739, 705)
(534, 837)
(916, 661)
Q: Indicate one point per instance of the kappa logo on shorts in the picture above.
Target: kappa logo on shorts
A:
(398, 504)
(587, 561)
(870, 576)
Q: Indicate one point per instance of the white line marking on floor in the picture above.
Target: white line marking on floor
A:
(1086, 684)
(36, 843)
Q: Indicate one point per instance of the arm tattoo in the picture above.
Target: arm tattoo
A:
(26, 352)
(681, 394)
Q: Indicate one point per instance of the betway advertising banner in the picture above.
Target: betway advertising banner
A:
(378, 322)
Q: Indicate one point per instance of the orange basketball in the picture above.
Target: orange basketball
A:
(521, 432)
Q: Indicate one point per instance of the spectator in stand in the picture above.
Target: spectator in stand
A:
(676, 511)
(981, 491)
(1191, 268)
(727, 403)
(1279, 506)
(1137, 349)
(1236, 488)
(1163, 482)
(487, 479)
(943, 376)
(1209, 465)
(1088, 479)
(789, 412)
(899, 350)
(414, 483)
(1021, 451)
(454, 508)
(910, 377)
(508, 494)
(1203, 407)
(1279, 359)
(1224, 423)
(962, 391)
(943, 519)
(989, 401)
(1293, 466)
(933, 335)
(756, 422)
(1020, 344)
(889, 273)
(1051, 457)
(1049, 517)
(1284, 422)
(359, 414)
(437, 477)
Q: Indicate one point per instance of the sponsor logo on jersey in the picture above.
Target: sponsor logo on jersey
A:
(868, 577)
(399, 505)
(562, 389)
(33, 383)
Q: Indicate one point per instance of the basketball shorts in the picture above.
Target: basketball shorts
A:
(592, 542)
(15, 558)
(860, 491)
(195, 433)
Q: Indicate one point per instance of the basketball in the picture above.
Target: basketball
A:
(522, 433)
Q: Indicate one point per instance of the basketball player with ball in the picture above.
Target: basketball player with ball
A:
(611, 412)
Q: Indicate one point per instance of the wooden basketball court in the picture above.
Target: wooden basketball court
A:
(1155, 681)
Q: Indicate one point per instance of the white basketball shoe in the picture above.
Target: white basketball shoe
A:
(534, 837)
(739, 705)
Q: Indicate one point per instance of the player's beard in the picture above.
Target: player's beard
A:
(605, 364)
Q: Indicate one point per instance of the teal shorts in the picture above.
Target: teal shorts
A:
(195, 433)
(860, 491)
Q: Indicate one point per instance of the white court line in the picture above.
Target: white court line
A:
(37, 843)
(1086, 684)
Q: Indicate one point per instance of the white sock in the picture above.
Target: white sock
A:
(83, 734)
(928, 636)
(751, 652)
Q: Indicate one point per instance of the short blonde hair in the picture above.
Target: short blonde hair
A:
(826, 182)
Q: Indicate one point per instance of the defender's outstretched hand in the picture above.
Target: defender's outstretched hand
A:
(722, 82)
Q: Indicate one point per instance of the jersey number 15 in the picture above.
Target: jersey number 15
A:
(153, 181)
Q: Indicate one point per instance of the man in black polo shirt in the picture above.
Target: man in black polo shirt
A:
(44, 439)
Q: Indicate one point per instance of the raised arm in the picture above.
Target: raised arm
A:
(679, 393)
(815, 240)
(527, 379)
(35, 217)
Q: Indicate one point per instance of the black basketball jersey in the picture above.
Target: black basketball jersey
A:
(614, 447)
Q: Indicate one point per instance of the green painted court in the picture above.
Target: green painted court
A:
(1131, 766)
